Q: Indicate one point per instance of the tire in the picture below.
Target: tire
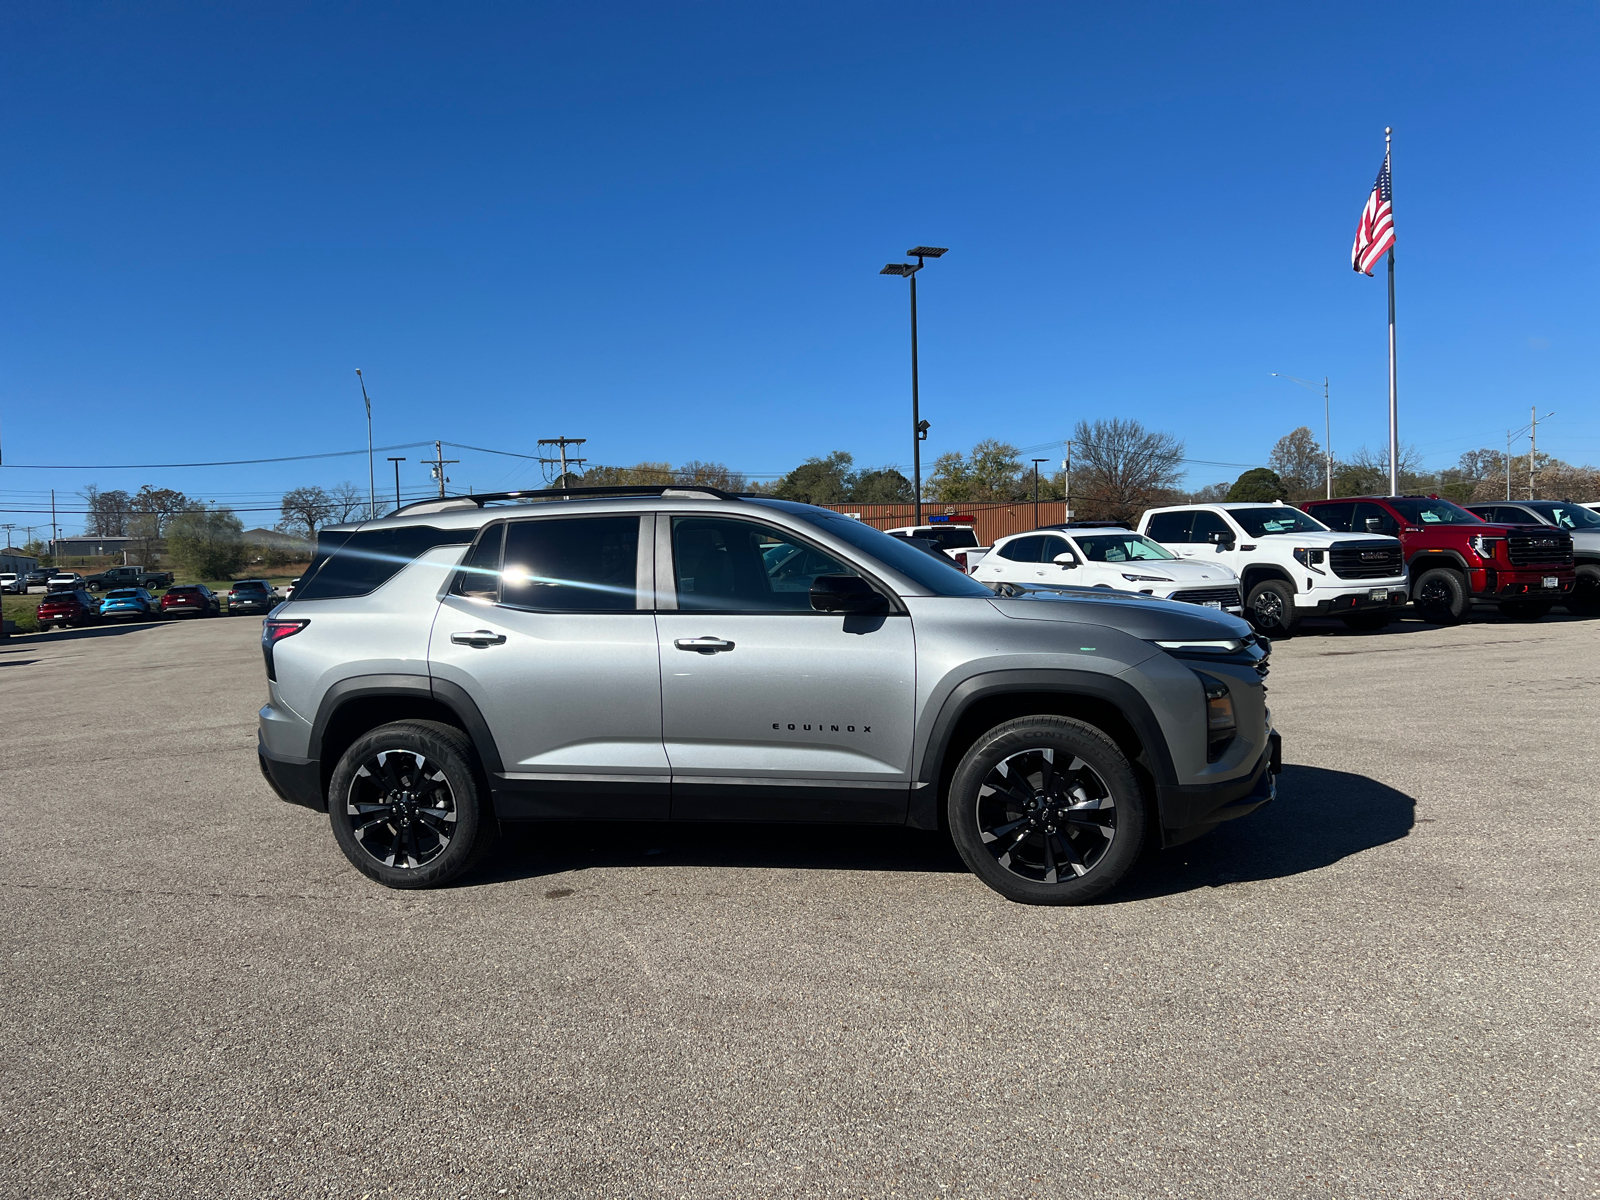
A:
(1367, 622)
(1441, 596)
(429, 845)
(1271, 609)
(1584, 599)
(1021, 851)
(1526, 610)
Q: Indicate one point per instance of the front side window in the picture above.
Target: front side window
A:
(727, 565)
(1121, 547)
(1367, 511)
(1433, 512)
(938, 574)
(571, 564)
(1262, 522)
(1336, 516)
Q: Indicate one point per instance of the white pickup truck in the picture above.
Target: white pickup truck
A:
(954, 536)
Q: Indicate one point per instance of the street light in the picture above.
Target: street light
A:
(1327, 427)
(1036, 463)
(919, 427)
(372, 489)
(396, 462)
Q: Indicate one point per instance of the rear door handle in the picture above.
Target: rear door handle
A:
(704, 645)
(478, 637)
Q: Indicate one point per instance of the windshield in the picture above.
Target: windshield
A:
(1121, 547)
(249, 585)
(940, 578)
(1569, 516)
(1433, 512)
(1259, 522)
(122, 594)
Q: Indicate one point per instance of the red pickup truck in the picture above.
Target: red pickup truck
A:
(1455, 558)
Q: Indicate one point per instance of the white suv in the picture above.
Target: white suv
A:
(1290, 564)
(1104, 554)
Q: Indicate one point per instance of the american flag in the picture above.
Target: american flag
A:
(1375, 233)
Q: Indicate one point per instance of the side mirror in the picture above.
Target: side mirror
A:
(1374, 524)
(846, 594)
(1220, 537)
(1066, 560)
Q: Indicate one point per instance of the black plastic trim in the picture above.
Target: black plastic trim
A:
(1190, 810)
(296, 781)
(452, 696)
(796, 804)
(556, 799)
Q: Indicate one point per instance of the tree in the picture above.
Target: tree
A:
(709, 474)
(207, 543)
(305, 510)
(108, 512)
(644, 473)
(828, 480)
(992, 472)
(1123, 468)
(1367, 473)
(158, 506)
(1212, 493)
(347, 502)
(1259, 484)
(1300, 465)
(883, 486)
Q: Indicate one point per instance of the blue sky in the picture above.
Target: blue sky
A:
(659, 227)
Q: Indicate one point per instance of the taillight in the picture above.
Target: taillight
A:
(273, 632)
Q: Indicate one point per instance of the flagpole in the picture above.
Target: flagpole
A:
(1394, 401)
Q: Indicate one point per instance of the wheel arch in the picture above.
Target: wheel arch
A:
(1259, 573)
(1428, 560)
(353, 706)
(984, 701)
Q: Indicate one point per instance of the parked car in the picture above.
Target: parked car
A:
(127, 603)
(650, 656)
(1582, 525)
(250, 596)
(289, 590)
(37, 579)
(1290, 566)
(1455, 558)
(191, 599)
(64, 579)
(129, 577)
(1105, 554)
(69, 606)
(954, 535)
(10, 583)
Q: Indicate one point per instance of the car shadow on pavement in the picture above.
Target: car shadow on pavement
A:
(1319, 817)
(84, 631)
(553, 848)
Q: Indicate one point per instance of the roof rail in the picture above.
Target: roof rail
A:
(445, 503)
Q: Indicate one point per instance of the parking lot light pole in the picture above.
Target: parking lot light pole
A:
(919, 427)
(396, 462)
(372, 488)
(1036, 463)
(1327, 426)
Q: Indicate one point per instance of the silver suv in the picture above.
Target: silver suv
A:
(685, 654)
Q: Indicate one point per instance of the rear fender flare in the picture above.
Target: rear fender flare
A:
(417, 687)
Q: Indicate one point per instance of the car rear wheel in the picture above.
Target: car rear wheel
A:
(1584, 599)
(408, 807)
(1047, 810)
(1271, 608)
(1441, 596)
(1526, 610)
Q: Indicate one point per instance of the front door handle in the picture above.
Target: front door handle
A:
(478, 637)
(704, 645)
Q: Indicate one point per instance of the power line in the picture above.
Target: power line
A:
(237, 462)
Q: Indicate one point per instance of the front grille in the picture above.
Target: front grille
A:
(1227, 596)
(1552, 548)
(1366, 560)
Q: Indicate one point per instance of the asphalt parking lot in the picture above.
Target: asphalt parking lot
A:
(1384, 985)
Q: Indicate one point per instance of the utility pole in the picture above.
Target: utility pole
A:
(372, 489)
(55, 530)
(1036, 463)
(396, 462)
(437, 464)
(1533, 449)
(1508, 464)
(561, 444)
(1066, 467)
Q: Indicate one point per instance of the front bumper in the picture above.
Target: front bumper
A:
(295, 780)
(1370, 599)
(1528, 583)
(1190, 810)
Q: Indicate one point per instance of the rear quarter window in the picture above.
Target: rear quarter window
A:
(355, 563)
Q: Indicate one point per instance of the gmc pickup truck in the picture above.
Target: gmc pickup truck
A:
(128, 577)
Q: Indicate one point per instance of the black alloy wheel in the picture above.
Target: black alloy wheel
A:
(1441, 596)
(408, 807)
(1271, 608)
(1047, 810)
(1584, 599)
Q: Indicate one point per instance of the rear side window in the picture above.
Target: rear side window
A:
(1024, 549)
(353, 564)
(1169, 526)
(1205, 524)
(578, 564)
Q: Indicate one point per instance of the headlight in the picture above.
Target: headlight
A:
(1483, 545)
(1228, 646)
(1310, 558)
(1145, 578)
(1220, 722)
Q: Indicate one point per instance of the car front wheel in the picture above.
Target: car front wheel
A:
(1271, 608)
(1584, 599)
(407, 805)
(1441, 596)
(1047, 810)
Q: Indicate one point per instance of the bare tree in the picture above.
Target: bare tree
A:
(1122, 468)
(709, 474)
(305, 510)
(347, 502)
(108, 512)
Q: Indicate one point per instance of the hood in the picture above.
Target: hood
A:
(1181, 570)
(1330, 538)
(1137, 616)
